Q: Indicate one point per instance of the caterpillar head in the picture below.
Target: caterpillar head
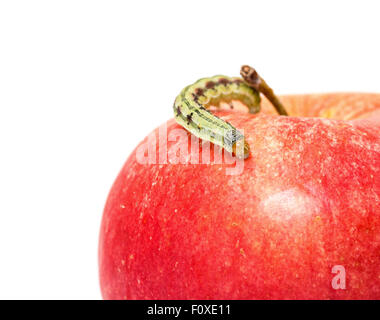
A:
(241, 149)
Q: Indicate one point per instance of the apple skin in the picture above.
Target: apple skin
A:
(307, 200)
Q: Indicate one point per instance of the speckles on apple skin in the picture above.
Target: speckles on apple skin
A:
(308, 199)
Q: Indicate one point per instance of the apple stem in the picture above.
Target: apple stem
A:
(253, 79)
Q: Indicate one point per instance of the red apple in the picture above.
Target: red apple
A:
(304, 210)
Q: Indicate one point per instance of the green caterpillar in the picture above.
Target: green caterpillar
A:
(190, 110)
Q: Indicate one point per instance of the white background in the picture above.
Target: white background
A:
(82, 82)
